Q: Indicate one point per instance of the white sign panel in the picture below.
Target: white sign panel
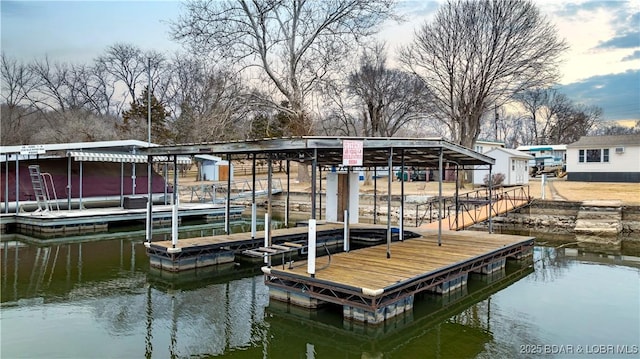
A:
(32, 150)
(352, 153)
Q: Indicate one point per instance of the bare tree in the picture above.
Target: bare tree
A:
(552, 118)
(475, 55)
(389, 99)
(209, 104)
(572, 123)
(17, 84)
(293, 44)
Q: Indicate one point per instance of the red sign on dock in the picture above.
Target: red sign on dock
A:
(352, 153)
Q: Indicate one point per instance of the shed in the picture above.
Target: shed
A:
(213, 168)
(512, 164)
(604, 159)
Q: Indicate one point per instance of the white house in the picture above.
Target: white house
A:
(604, 159)
(484, 146)
(512, 163)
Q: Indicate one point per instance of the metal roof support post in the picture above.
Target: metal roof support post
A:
(440, 202)
(254, 208)
(490, 199)
(390, 170)
(174, 211)
(149, 198)
(401, 220)
(80, 187)
(267, 223)
(314, 164)
(133, 174)
(69, 162)
(320, 193)
(227, 209)
(164, 175)
(287, 204)
(17, 183)
(121, 184)
(457, 193)
(375, 196)
(6, 185)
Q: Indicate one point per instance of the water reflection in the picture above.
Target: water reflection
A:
(101, 299)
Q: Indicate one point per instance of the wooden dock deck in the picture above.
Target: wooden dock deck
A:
(373, 288)
(199, 252)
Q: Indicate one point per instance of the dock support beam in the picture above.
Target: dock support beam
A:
(314, 164)
(174, 210)
(440, 201)
(390, 164)
(149, 221)
(490, 200)
(254, 212)
(287, 204)
(402, 179)
(227, 207)
(311, 250)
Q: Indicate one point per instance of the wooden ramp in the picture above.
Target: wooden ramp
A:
(476, 210)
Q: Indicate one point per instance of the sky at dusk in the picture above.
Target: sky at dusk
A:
(601, 68)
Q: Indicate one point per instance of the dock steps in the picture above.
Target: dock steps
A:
(273, 250)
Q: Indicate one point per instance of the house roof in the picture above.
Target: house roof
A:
(612, 141)
(510, 152)
(534, 148)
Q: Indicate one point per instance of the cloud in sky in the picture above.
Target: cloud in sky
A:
(634, 56)
(625, 41)
(617, 94)
(603, 54)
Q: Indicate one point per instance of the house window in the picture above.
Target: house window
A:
(513, 165)
(593, 155)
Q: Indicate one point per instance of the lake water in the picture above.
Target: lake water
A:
(100, 299)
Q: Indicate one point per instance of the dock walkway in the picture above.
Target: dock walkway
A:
(373, 288)
(476, 209)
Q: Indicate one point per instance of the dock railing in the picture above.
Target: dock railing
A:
(216, 192)
(471, 207)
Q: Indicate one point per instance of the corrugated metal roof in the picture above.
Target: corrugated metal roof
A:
(611, 141)
(422, 152)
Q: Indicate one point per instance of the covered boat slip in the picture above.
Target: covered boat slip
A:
(340, 156)
(373, 288)
(372, 284)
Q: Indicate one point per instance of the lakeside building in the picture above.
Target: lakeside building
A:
(604, 159)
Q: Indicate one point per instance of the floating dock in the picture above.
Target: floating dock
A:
(373, 288)
(200, 252)
(50, 224)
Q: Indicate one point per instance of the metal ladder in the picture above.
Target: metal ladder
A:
(41, 188)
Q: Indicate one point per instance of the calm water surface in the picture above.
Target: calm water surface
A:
(101, 300)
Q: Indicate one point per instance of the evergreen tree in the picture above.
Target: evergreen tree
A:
(135, 120)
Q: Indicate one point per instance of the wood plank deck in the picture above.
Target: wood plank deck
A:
(230, 239)
(370, 271)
